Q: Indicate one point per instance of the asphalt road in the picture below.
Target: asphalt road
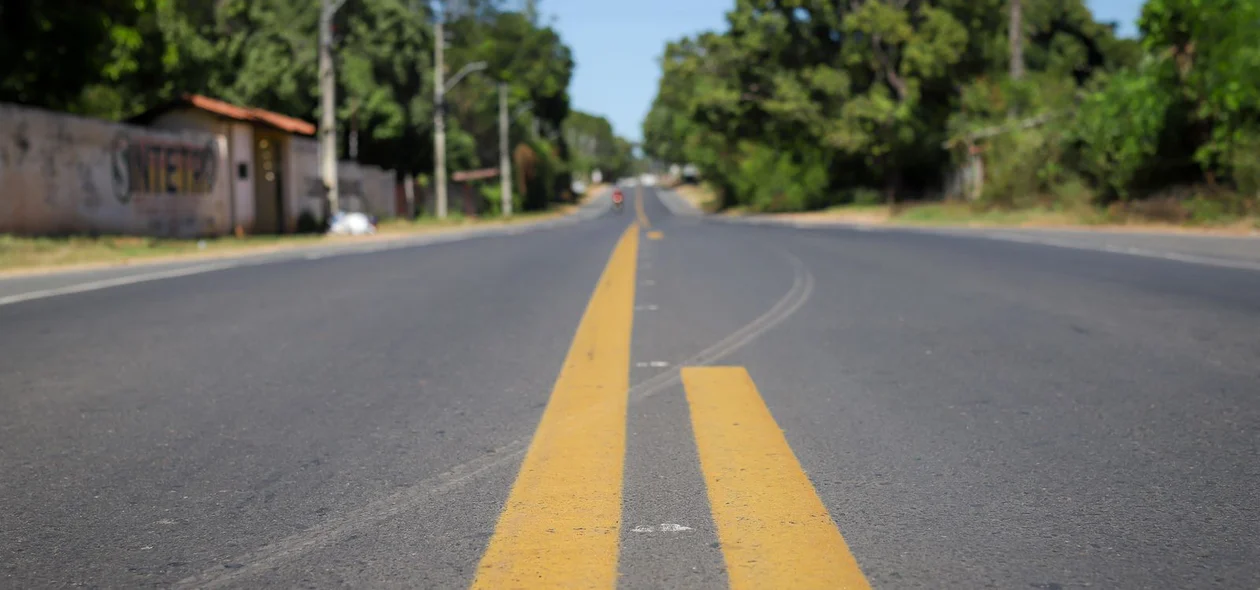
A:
(969, 412)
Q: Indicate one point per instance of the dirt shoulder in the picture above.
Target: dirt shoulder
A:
(961, 215)
(23, 256)
(593, 191)
(698, 196)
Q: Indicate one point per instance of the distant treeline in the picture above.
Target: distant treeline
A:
(806, 104)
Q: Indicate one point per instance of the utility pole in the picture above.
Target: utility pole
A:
(439, 118)
(328, 102)
(441, 86)
(505, 162)
(1016, 34)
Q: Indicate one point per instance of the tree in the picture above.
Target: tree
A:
(846, 96)
(1214, 48)
(52, 50)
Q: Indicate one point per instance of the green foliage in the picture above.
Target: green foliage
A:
(538, 170)
(777, 181)
(49, 50)
(593, 145)
(116, 58)
(1119, 126)
(1245, 164)
(845, 96)
(1214, 46)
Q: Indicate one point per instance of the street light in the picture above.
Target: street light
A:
(440, 88)
(476, 66)
(327, 100)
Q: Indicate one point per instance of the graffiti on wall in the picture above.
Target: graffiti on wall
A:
(150, 166)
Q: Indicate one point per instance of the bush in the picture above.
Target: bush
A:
(1023, 167)
(1245, 165)
(865, 196)
(536, 168)
(777, 181)
(307, 223)
(492, 196)
(1118, 127)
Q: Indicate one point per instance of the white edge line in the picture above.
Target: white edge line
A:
(1219, 262)
(267, 258)
(117, 282)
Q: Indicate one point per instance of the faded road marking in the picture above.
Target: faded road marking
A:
(639, 212)
(561, 525)
(664, 528)
(774, 530)
(655, 235)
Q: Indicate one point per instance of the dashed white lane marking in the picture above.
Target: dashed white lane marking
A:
(664, 528)
(658, 364)
(646, 307)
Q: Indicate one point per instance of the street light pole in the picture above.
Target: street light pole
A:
(505, 162)
(440, 88)
(328, 101)
(439, 120)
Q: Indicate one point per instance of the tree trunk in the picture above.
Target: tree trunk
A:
(892, 184)
(1016, 35)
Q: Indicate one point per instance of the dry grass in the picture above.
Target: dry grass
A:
(25, 255)
(966, 215)
(699, 196)
(593, 191)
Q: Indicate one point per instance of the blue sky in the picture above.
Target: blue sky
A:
(616, 44)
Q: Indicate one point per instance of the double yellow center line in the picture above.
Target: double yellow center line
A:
(561, 525)
(562, 522)
(641, 215)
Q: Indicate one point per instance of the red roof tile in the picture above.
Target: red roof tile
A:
(231, 111)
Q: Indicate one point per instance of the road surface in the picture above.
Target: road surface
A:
(642, 400)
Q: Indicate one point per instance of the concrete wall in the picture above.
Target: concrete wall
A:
(378, 191)
(365, 189)
(190, 173)
(306, 187)
(65, 174)
(240, 150)
(241, 156)
(350, 188)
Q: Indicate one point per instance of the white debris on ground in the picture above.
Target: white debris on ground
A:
(351, 224)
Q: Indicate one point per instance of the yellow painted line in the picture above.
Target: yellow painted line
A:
(638, 208)
(774, 530)
(561, 525)
(655, 235)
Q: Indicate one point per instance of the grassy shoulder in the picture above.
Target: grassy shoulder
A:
(699, 196)
(967, 215)
(593, 191)
(28, 255)
(1164, 215)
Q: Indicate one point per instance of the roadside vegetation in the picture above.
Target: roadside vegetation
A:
(117, 58)
(19, 254)
(810, 106)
